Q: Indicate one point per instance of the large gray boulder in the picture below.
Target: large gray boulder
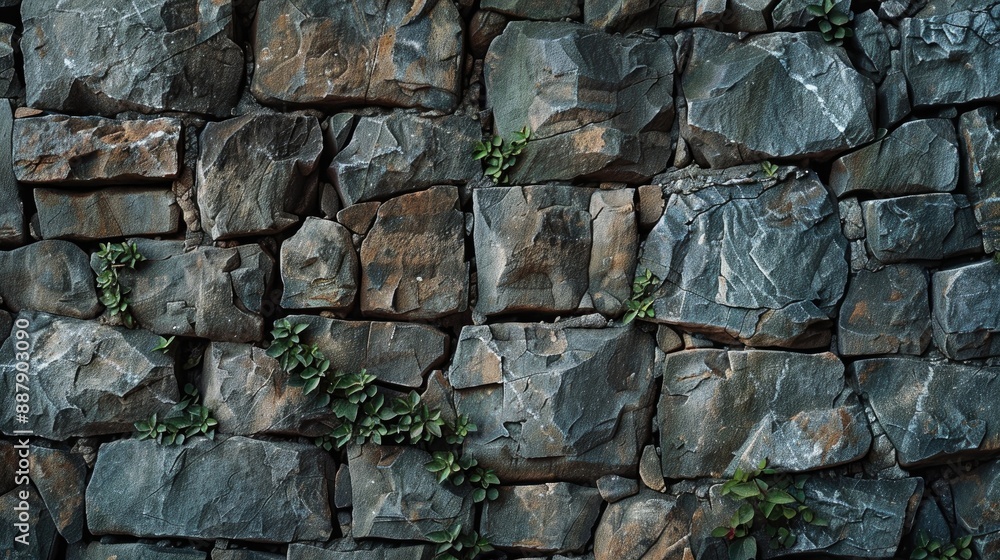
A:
(106, 213)
(921, 227)
(396, 497)
(746, 258)
(554, 248)
(372, 52)
(553, 517)
(12, 222)
(720, 410)
(256, 172)
(645, 526)
(966, 310)
(209, 292)
(61, 149)
(555, 402)
(815, 104)
(979, 143)
(235, 488)
(319, 267)
(953, 58)
(84, 378)
(398, 353)
(413, 257)
(885, 312)
(50, 276)
(918, 157)
(976, 494)
(605, 99)
(636, 15)
(932, 412)
(124, 55)
(401, 151)
(10, 82)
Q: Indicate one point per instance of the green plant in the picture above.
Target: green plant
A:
(446, 465)
(933, 549)
(458, 431)
(639, 305)
(110, 259)
(499, 156)
(832, 21)
(769, 501)
(453, 544)
(184, 420)
(164, 344)
(769, 168)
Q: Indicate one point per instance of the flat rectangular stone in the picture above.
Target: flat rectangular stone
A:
(106, 213)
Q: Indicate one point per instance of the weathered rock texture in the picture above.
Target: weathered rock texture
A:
(383, 52)
(319, 267)
(106, 213)
(966, 311)
(746, 258)
(886, 312)
(49, 276)
(84, 378)
(975, 494)
(133, 551)
(275, 180)
(12, 222)
(721, 410)
(553, 402)
(61, 479)
(979, 141)
(817, 104)
(921, 227)
(605, 99)
(236, 488)
(59, 149)
(553, 517)
(124, 55)
(645, 526)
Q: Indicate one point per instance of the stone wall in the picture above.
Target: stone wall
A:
(818, 221)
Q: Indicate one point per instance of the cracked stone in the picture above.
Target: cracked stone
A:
(918, 157)
(97, 379)
(932, 412)
(886, 312)
(921, 227)
(553, 517)
(243, 554)
(531, 9)
(645, 526)
(264, 197)
(871, 46)
(74, 150)
(637, 15)
(136, 551)
(10, 83)
(720, 410)
(965, 303)
(775, 283)
(43, 540)
(319, 267)
(349, 549)
(50, 276)
(606, 99)
(359, 217)
(376, 52)
(401, 151)
(893, 95)
(555, 402)
(12, 222)
(614, 488)
(976, 495)
(979, 136)
(131, 55)
(396, 497)
(232, 488)
(106, 213)
(61, 478)
(817, 104)
(413, 257)
(795, 13)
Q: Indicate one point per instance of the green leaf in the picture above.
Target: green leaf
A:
(776, 496)
(720, 532)
(825, 26)
(918, 554)
(839, 18)
(743, 549)
(746, 490)
(828, 5)
(816, 10)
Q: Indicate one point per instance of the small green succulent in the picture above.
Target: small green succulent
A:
(832, 21)
(498, 156)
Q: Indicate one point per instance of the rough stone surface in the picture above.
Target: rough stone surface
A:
(248, 393)
(49, 276)
(532, 242)
(106, 213)
(10, 82)
(530, 9)
(932, 411)
(400, 151)
(240, 200)
(643, 527)
(886, 312)
(918, 157)
(555, 402)
(721, 410)
(8, 466)
(871, 46)
(235, 488)
(553, 517)
(61, 478)
(614, 488)
(817, 104)
(60, 149)
(952, 58)
(893, 96)
(979, 140)
(746, 258)
(650, 471)
(12, 222)
(795, 13)
(43, 538)
(395, 497)
(243, 554)
(359, 217)
(414, 258)
(381, 52)
(319, 267)
(976, 494)
(921, 227)
(634, 15)
(348, 549)
(398, 353)
(97, 379)
(146, 55)
(606, 99)
(965, 302)
(209, 292)
(134, 551)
